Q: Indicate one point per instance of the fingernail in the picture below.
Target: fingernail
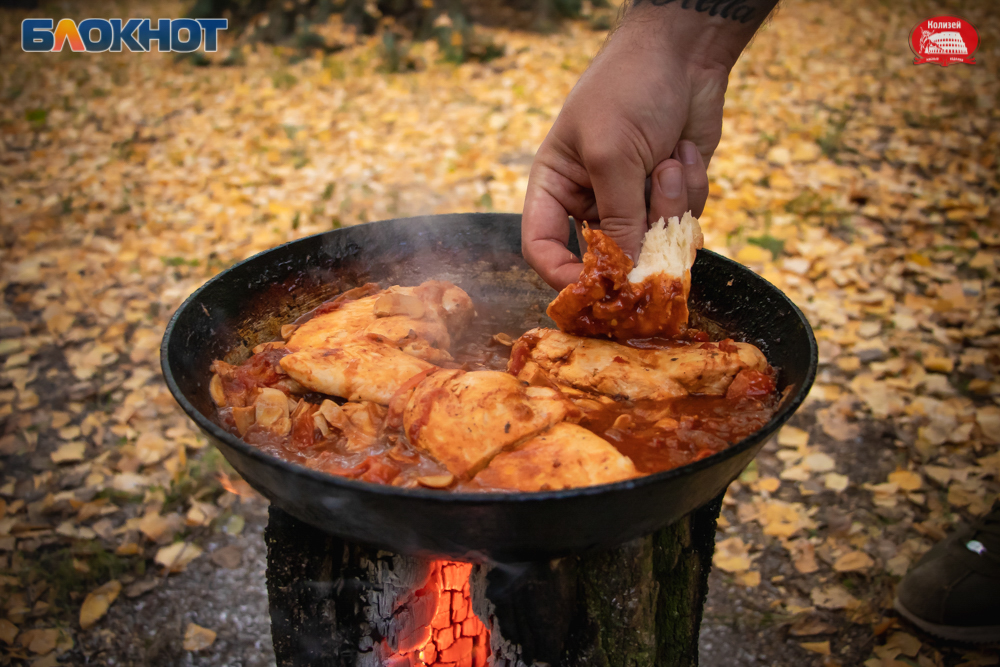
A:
(671, 182)
(689, 152)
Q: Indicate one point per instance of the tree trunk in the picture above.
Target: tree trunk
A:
(334, 603)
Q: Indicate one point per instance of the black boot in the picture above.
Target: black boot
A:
(954, 590)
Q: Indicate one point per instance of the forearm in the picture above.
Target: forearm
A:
(710, 32)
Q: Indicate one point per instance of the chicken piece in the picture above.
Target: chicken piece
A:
(565, 456)
(614, 299)
(344, 317)
(464, 419)
(625, 372)
(418, 320)
(363, 370)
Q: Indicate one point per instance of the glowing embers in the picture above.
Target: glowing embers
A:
(436, 624)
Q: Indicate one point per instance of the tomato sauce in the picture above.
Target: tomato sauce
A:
(603, 303)
(371, 445)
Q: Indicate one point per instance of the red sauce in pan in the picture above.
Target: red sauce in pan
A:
(656, 435)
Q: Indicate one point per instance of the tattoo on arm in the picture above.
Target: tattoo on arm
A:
(743, 11)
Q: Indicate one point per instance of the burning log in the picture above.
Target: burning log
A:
(341, 604)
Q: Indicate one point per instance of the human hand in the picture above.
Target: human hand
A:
(634, 138)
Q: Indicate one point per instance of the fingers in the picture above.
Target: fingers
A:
(668, 194)
(545, 231)
(695, 176)
(618, 184)
(679, 184)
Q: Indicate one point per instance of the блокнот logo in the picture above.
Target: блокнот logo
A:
(179, 35)
(944, 40)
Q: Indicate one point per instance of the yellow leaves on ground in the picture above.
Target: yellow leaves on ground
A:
(159, 528)
(803, 555)
(750, 579)
(8, 631)
(833, 596)
(906, 480)
(732, 555)
(823, 647)
(97, 602)
(988, 418)
(69, 452)
(177, 556)
(197, 638)
(836, 482)
(853, 561)
(810, 624)
(45, 640)
(790, 436)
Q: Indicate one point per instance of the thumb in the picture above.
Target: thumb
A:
(619, 185)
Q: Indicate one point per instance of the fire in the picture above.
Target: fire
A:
(437, 627)
(236, 486)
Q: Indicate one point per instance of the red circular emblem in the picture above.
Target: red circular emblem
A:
(944, 40)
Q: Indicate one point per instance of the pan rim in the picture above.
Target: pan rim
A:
(479, 498)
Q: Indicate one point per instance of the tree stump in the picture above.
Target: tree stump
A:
(335, 603)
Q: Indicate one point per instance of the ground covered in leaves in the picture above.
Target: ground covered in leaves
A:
(862, 185)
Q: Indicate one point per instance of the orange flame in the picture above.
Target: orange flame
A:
(236, 486)
(437, 626)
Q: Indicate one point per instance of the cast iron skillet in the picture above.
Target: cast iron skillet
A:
(247, 304)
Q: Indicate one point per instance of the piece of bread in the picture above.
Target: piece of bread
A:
(668, 248)
(616, 299)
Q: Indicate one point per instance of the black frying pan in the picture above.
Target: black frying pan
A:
(247, 304)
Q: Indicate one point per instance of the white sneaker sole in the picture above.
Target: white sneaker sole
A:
(984, 634)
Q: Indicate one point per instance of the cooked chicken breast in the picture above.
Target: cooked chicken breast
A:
(464, 419)
(565, 456)
(616, 370)
(364, 370)
(418, 320)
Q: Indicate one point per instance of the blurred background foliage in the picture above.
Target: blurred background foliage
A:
(329, 25)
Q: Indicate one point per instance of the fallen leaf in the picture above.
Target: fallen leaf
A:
(201, 514)
(769, 484)
(823, 647)
(833, 596)
(905, 642)
(8, 631)
(810, 625)
(127, 549)
(69, 452)
(803, 556)
(228, 557)
(152, 448)
(988, 418)
(853, 561)
(906, 480)
(790, 436)
(197, 638)
(819, 462)
(177, 556)
(750, 579)
(160, 528)
(234, 526)
(40, 640)
(836, 425)
(142, 586)
(732, 555)
(50, 660)
(835, 481)
(129, 482)
(97, 602)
